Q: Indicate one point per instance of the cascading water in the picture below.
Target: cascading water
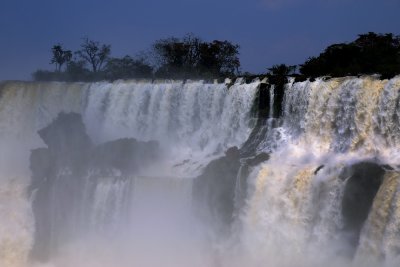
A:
(328, 193)
(314, 201)
(193, 122)
(187, 118)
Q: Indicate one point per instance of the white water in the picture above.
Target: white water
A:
(292, 215)
(194, 122)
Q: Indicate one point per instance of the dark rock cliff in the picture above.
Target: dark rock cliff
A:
(59, 173)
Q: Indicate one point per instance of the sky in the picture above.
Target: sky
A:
(268, 31)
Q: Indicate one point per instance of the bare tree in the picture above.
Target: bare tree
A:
(94, 53)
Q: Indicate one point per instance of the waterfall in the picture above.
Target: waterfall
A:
(16, 223)
(381, 231)
(194, 122)
(342, 115)
(317, 186)
(302, 204)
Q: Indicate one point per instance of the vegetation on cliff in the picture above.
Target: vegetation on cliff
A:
(173, 58)
(192, 58)
(370, 53)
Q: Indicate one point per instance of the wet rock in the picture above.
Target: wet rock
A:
(387, 167)
(61, 171)
(256, 137)
(127, 155)
(318, 169)
(258, 159)
(213, 191)
(66, 139)
(363, 182)
(232, 153)
(40, 165)
(264, 100)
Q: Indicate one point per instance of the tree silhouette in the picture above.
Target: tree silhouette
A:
(190, 57)
(60, 56)
(282, 70)
(220, 58)
(370, 53)
(127, 68)
(94, 54)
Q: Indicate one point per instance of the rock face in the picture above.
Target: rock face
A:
(126, 155)
(67, 133)
(364, 180)
(214, 190)
(218, 192)
(59, 173)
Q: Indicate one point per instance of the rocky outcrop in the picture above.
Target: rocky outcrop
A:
(363, 182)
(60, 171)
(215, 192)
(126, 155)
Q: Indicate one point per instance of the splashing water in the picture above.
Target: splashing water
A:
(295, 200)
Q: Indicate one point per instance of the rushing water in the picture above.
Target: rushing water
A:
(294, 206)
(291, 213)
(194, 122)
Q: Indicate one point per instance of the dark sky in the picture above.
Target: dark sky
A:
(268, 31)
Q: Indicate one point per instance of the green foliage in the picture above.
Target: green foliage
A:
(370, 53)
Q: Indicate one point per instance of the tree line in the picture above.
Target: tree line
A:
(175, 58)
(192, 58)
